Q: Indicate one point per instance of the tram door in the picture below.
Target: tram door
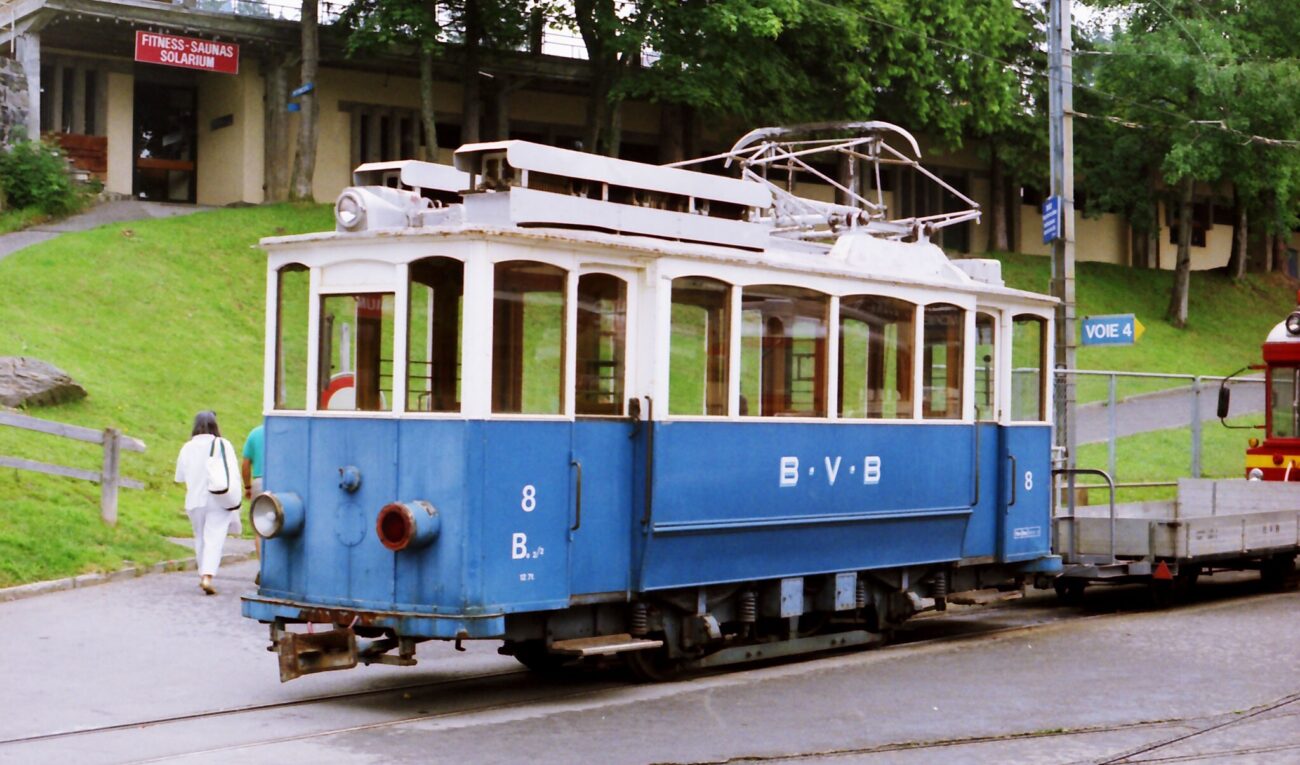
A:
(1025, 446)
(602, 464)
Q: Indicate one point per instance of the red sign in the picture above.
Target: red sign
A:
(187, 52)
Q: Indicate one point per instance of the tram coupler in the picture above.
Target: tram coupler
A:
(306, 653)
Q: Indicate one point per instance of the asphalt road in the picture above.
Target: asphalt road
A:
(184, 679)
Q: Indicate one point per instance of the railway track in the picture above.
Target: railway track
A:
(254, 726)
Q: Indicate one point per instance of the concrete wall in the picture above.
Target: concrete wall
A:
(230, 158)
(1100, 240)
(120, 129)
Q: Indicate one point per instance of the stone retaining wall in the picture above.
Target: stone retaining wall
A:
(13, 99)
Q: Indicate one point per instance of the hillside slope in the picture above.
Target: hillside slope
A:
(159, 319)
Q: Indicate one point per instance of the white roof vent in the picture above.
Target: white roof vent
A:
(986, 270)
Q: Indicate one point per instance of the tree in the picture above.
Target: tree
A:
(304, 166)
(383, 25)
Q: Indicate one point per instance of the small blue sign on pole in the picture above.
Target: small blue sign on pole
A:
(1051, 220)
(1116, 329)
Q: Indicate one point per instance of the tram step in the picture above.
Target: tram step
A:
(603, 644)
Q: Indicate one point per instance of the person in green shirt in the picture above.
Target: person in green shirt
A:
(253, 464)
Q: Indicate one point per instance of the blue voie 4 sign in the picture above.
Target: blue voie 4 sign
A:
(1117, 329)
(1051, 219)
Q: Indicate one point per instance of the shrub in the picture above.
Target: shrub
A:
(35, 174)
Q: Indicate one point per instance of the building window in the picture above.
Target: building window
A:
(602, 339)
(528, 338)
(1028, 364)
(293, 291)
(356, 354)
(783, 352)
(698, 346)
(433, 350)
(941, 366)
(876, 339)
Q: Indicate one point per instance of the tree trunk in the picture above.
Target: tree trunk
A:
(1138, 242)
(1177, 312)
(471, 84)
(304, 166)
(428, 120)
(998, 240)
(1240, 232)
(276, 146)
(672, 137)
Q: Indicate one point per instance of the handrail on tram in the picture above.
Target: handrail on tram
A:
(1074, 529)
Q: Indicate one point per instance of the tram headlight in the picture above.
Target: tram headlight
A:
(276, 514)
(1255, 475)
(403, 525)
(1293, 323)
(350, 211)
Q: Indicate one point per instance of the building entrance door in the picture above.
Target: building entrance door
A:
(165, 142)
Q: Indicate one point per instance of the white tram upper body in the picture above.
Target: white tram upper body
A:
(585, 405)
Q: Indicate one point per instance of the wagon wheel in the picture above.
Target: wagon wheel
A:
(653, 665)
(1185, 581)
(1161, 592)
(1275, 570)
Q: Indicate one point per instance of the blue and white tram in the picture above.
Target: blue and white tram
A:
(585, 406)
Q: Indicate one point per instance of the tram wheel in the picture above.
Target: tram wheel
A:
(533, 655)
(1069, 591)
(1274, 571)
(653, 665)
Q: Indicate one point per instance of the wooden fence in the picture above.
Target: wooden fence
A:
(109, 477)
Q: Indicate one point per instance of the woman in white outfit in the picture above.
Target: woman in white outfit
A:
(210, 519)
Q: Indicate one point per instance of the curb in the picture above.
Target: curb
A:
(89, 580)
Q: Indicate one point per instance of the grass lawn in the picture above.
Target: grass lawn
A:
(1228, 323)
(158, 320)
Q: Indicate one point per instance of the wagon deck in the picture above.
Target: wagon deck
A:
(1212, 524)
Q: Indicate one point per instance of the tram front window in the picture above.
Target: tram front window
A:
(1284, 407)
(293, 289)
(356, 352)
(528, 338)
(602, 320)
(433, 335)
(1028, 365)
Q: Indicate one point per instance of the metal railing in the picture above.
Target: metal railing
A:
(1193, 386)
(109, 476)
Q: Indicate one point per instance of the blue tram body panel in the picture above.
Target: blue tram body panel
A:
(1026, 493)
(786, 499)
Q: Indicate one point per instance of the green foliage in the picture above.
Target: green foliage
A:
(120, 308)
(34, 174)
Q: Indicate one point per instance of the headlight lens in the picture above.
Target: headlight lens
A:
(1293, 323)
(1256, 474)
(276, 514)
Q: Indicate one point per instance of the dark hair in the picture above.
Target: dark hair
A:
(206, 422)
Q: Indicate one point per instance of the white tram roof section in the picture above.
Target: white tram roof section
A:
(567, 163)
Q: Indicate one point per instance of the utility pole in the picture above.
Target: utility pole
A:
(1061, 108)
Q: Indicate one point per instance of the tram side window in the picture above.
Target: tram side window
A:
(528, 338)
(783, 352)
(602, 333)
(356, 354)
(986, 391)
(292, 297)
(433, 349)
(1028, 364)
(700, 334)
(876, 339)
(942, 362)
(1284, 417)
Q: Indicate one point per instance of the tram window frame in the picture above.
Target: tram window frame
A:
(713, 343)
(986, 367)
(600, 346)
(294, 346)
(366, 350)
(435, 284)
(1291, 381)
(1018, 410)
(514, 391)
(950, 334)
(887, 374)
(778, 369)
